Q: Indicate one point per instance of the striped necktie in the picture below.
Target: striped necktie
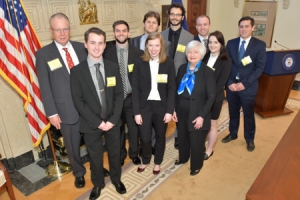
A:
(123, 72)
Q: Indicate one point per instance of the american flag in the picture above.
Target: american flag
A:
(18, 44)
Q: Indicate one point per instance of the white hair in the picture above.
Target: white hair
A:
(193, 44)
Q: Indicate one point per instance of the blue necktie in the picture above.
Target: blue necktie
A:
(242, 50)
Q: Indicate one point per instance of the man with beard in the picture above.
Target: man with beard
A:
(179, 38)
(202, 26)
(124, 54)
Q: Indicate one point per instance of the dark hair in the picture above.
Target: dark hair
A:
(120, 22)
(177, 5)
(247, 18)
(218, 34)
(154, 14)
(162, 54)
(203, 16)
(59, 15)
(95, 30)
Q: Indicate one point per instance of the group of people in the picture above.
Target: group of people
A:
(144, 83)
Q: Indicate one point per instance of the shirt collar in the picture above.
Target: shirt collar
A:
(247, 40)
(125, 48)
(91, 62)
(59, 46)
(178, 31)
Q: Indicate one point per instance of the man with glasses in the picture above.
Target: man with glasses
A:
(179, 38)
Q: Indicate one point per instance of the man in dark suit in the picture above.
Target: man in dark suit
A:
(97, 92)
(248, 56)
(177, 38)
(124, 55)
(53, 69)
(202, 27)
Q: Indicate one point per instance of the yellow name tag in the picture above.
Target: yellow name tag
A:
(130, 68)
(162, 78)
(211, 68)
(180, 48)
(54, 64)
(247, 60)
(111, 81)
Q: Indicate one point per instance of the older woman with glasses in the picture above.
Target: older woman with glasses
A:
(195, 96)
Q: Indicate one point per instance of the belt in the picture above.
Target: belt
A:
(237, 81)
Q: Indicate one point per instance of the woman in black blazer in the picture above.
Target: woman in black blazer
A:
(195, 96)
(153, 97)
(217, 59)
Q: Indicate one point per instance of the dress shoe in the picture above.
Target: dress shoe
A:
(176, 143)
(155, 172)
(250, 146)
(136, 161)
(79, 182)
(193, 173)
(122, 162)
(96, 191)
(177, 162)
(228, 138)
(105, 172)
(206, 157)
(120, 187)
(139, 169)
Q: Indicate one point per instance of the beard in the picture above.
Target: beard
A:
(122, 42)
(175, 24)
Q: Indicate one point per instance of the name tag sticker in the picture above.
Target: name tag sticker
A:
(162, 78)
(130, 67)
(180, 48)
(247, 60)
(54, 64)
(211, 68)
(111, 81)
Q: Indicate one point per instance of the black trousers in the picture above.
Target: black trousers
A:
(94, 147)
(152, 115)
(71, 135)
(133, 131)
(191, 143)
(236, 100)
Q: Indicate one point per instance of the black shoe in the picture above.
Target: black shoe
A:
(105, 172)
(176, 143)
(228, 138)
(120, 187)
(153, 151)
(193, 173)
(96, 191)
(122, 162)
(136, 161)
(79, 182)
(250, 146)
(206, 157)
(177, 162)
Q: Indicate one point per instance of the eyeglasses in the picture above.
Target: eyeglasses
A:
(175, 15)
(65, 30)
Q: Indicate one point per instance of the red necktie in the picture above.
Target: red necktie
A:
(69, 58)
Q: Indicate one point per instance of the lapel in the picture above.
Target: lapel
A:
(198, 75)
(249, 47)
(147, 71)
(80, 55)
(54, 53)
(88, 78)
(236, 50)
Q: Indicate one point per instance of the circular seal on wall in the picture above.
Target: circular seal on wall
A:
(288, 62)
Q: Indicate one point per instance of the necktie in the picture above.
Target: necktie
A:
(69, 58)
(123, 72)
(205, 42)
(101, 90)
(172, 46)
(242, 50)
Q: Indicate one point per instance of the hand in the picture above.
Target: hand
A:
(174, 117)
(240, 86)
(55, 121)
(138, 119)
(102, 126)
(232, 87)
(108, 126)
(167, 117)
(198, 122)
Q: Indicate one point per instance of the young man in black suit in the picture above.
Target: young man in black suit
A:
(97, 92)
(124, 55)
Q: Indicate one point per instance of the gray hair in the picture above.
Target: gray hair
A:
(59, 15)
(197, 44)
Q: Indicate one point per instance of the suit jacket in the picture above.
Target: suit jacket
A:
(250, 73)
(197, 38)
(202, 97)
(87, 101)
(222, 69)
(141, 85)
(184, 38)
(55, 84)
(133, 53)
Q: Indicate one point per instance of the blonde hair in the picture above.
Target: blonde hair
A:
(162, 54)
